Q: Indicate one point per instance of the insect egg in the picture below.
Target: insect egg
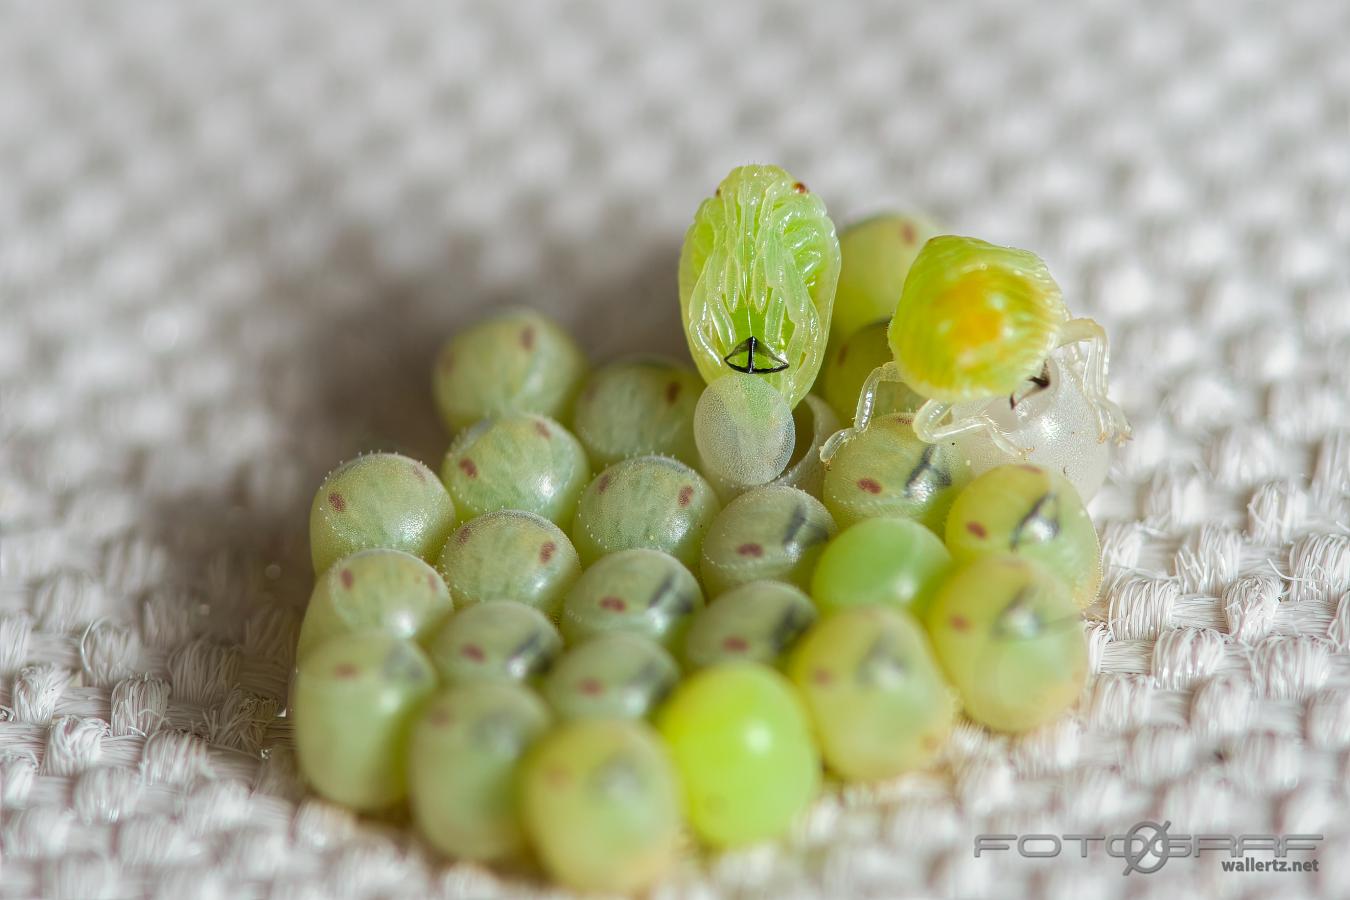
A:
(744, 431)
(509, 555)
(379, 500)
(376, 590)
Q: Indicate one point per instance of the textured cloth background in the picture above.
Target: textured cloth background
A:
(232, 236)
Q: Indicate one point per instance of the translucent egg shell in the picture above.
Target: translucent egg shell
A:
(757, 277)
(619, 675)
(463, 765)
(601, 804)
(874, 691)
(743, 747)
(649, 501)
(499, 641)
(509, 555)
(379, 500)
(383, 680)
(643, 591)
(516, 362)
(1053, 422)
(744, 431)
(755, 622)
(876, 254)
(375, 590)
(814, 422)
(638, 407)
(885, 470)
(517, 461)
(1034, 513)
(772, 532)
(1010, 638)
(883, 561)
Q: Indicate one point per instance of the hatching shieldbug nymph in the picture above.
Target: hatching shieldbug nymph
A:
(757, 278)
(976, 321)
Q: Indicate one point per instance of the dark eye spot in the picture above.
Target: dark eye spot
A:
(735, 644)
(907, 233)
(541, 428)
(348, 579)
(977, 529)
(338, 501)
(527, 337)
(473, 652)
(468, 467)
(346, 670)
(613, 604)
(927, 477)
(686, 494)
(869, 485)
(822, 676)
(602, 484)
(959, 623)
(546, 552)
(1040, 525)
(672, 392)
(591, 687)
(754, 550)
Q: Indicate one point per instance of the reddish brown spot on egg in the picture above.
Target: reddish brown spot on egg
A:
(542, 429)
(750, 549)
(907, 233)
(672, 392)
(959, 623)
(417, 470)
(870, 485)
(1025, 467)
(686, 494)
(557, 776)
(546, 552)
(799, 188)
(613, 604)
(602, 483)
(822, 676)
(468, 467)
(432, 582)
(462, 536)
(591, 687)
(338, 501)
(346, 670)
(843, 354)
(735, 644)
(447, 362)
(473, 652)
(977, 529)
(348, 579)
(527, 337)
(439, 717)
(930, 742)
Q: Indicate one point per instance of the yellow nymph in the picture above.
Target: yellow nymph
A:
(977, 321)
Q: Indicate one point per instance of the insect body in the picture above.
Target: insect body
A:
(757, 278)
(977, 321)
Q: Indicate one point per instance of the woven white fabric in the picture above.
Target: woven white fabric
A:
(232, 235)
